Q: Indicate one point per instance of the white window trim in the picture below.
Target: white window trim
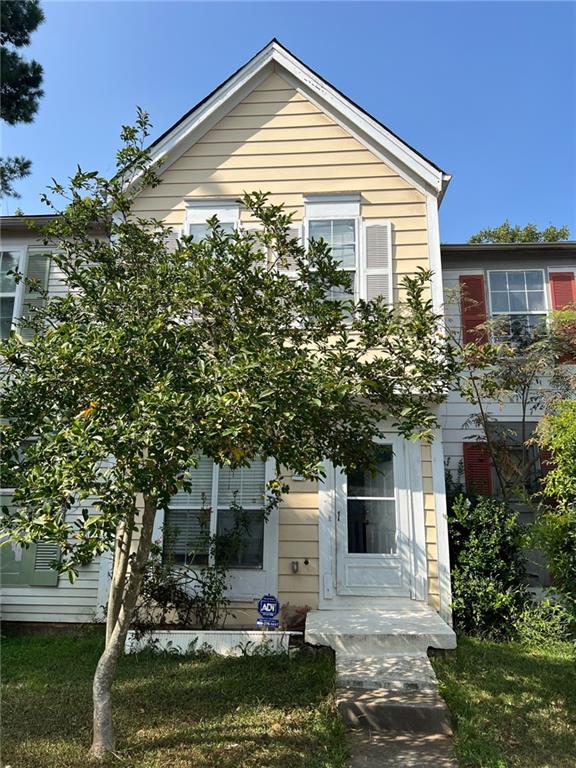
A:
(18, 293)
(546, 289)
(198, 211)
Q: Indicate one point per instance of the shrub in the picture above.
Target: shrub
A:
(543, 623)
(554, 532)
(487, 567)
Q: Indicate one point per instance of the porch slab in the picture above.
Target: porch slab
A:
(409, 627)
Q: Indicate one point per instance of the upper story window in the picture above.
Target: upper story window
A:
(9, 262)
(362, 246)
(520, 297)
(199, 211)
(341, 235)
(18, 299)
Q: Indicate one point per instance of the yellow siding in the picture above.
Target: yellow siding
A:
(297, 542)
(277, 141)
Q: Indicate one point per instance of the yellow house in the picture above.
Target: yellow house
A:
(346, 544)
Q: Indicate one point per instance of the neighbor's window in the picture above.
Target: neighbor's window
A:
(9, 262)
(519, 296)
(205, 511)
(341, 236)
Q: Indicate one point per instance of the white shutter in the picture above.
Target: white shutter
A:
(377, 266)
(174, 234)
(38, 270)
(249, 483)
(287, 265)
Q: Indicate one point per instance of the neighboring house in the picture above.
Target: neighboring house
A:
(31, 590)
(347, 543)
(520, 281)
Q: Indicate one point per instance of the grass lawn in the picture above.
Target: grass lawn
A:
(171, 712)
(512, 707)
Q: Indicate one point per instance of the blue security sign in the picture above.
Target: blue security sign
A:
(268, 606)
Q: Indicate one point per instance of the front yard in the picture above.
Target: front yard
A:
(205, 712)
(512, 706)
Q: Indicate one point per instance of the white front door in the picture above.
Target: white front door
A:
(373, 549)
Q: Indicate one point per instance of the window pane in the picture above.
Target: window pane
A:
(536, 302)
(320, 230)
(6, 312)
(518, 301)
(379, 483)
(8, 262)
(340, 293)
(201, 231)
(498, 281)
(534, 280)
(344, 242)
(516, 281)
(371, 527)
(240, 539)
(500, 301)
(248, 483)
(186, 533)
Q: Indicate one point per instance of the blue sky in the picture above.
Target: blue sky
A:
(487, 90)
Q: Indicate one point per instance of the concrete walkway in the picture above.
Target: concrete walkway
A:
(387, 689)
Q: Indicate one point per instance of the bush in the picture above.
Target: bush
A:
(554, 532)
(487, 567)
(544, 623)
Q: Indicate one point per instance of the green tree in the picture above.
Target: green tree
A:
(507, 233)
(160, 353)
(20, 86)
(524, 367)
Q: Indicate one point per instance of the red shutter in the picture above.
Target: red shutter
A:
(563, 290)
(477, 468)
(473, 308)
(546, 461)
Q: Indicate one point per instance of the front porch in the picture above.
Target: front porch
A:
(382, 647)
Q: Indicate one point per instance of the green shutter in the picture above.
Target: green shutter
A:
(38, 270)
(28, 566)
(41, 574)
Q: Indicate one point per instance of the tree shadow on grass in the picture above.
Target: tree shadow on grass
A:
(512, 706)
(174, 711)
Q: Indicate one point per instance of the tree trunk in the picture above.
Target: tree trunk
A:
(119, 571)
(103, 740)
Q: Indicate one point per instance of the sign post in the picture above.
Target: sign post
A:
(268, 607)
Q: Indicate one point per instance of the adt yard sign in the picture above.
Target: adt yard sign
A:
(268, 606)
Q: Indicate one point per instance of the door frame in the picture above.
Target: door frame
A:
(409, 491)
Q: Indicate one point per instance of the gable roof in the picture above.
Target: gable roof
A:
(274, 57)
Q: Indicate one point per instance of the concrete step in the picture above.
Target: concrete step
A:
(400, 749)
(374, 632)
(382, 710)
(404, 672)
